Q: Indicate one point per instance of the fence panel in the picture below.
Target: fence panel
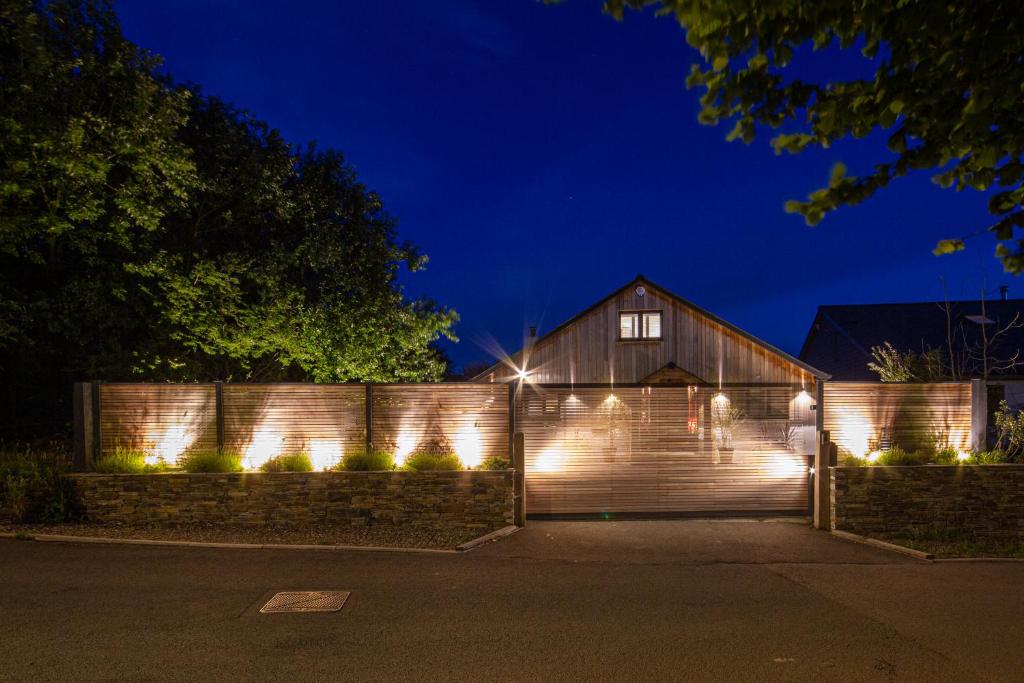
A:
(666, 449)
(863, 416)
(471, 419)
(323, 420)
(166, 420)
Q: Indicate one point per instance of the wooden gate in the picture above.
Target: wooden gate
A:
(666, 449)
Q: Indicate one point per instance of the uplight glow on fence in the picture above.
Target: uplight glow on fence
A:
(324, 453)
(266, 443)
(469, 446)
(550, 460)
(169, 444)
(404, 447)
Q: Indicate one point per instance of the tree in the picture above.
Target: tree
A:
(149, 232)
(946, 88)
(893, 365)
(980, 348)
(89, 167)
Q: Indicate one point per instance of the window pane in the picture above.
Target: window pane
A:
(652, 325)
(627, 325)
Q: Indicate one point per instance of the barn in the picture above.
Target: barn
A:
(646, 404)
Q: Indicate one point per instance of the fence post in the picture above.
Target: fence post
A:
(822, 493)
(511, 421)
(218, 411)
(85, 444)
(979, 415)
(519, 478)
(369, 417)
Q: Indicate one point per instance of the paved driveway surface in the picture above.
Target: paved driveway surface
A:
(672, 600)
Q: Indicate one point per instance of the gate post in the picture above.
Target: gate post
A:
(368, 417)
(519, 481)
(979, 415)
(218, 407)
(85, 426)
(822, 482)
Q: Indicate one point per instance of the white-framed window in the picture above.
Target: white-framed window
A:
(640, 325)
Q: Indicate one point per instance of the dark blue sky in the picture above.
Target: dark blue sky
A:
(544, 155)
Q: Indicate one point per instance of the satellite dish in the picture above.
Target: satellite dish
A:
(641, 290)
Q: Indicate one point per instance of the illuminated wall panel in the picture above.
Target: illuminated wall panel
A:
(165, 420)
(323, 420)
(471, 419)
(863, 416)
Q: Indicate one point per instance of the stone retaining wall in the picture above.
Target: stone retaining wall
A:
(983, 499)
(441, 500)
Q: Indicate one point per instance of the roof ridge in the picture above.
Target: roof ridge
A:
(924, 303)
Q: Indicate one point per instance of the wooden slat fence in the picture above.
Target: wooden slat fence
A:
(165, 419)
(863, 416)
(323, 420)
(473, 419)
(666, 449)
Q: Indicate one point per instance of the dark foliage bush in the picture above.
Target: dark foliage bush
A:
(31, 489)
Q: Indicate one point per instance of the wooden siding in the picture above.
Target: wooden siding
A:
(866, 416)
(662, 449)
(588, 350)
(169, 419)
(324, 420)
(473, 419)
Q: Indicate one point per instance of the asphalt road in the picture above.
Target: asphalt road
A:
(681, 600)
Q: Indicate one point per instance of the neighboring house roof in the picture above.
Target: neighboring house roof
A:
(641, 280)
(841, 337)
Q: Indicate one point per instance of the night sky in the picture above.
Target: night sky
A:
(544, 155)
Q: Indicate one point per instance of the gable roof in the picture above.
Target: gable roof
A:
(841, 337)
(641, 280)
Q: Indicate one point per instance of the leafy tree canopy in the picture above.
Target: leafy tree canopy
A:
(947, 88)
(150, 232)
(893, 365)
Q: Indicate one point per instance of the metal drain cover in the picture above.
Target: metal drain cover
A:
(306, 601)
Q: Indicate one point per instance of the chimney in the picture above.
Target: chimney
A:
(1003, 290)
(533, 330)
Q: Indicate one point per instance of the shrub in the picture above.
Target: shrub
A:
(30, 482)
(851, 460)
(1010, 425)
(125, 461)
(898, 456)
(424, 461)
(993, 457)
(212, 461)
(947, 455)
(496, 462)
(366, 461)
(296, 462)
